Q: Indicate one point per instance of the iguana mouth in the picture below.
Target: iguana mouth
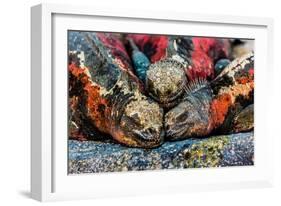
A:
(135, 119)
(140, 124)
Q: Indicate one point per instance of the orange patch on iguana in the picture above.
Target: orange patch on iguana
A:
(244, 80)
(219, 109)
(98, 109)
(248, 77)
(94, 104)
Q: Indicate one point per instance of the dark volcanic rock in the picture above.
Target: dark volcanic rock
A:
(215, 151)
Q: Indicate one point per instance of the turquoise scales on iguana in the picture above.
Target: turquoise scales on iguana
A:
(140, 61)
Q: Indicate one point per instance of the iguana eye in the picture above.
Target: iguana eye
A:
(182, 117)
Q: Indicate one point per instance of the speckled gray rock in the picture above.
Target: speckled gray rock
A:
(215, 151)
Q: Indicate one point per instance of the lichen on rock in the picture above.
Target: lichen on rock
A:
(206, 153)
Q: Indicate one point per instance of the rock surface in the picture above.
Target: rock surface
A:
(215, 151)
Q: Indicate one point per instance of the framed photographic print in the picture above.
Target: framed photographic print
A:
(135, 102)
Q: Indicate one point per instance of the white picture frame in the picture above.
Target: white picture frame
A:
(49, 179)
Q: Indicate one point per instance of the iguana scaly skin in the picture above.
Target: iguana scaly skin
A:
(207, 104)
(105, 94)
(166, 86)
